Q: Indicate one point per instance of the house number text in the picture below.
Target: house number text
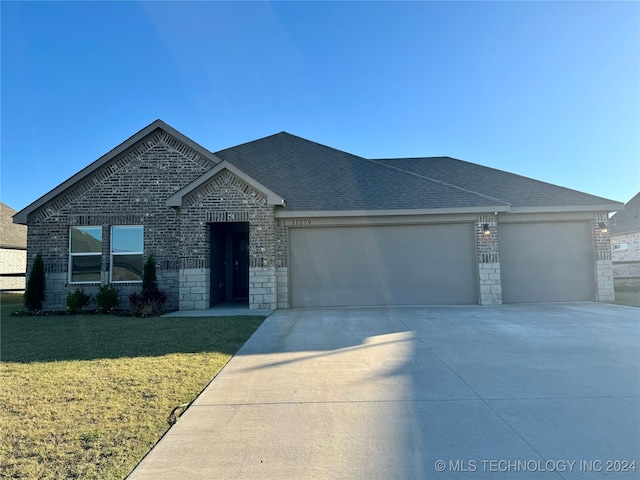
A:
(296, 222)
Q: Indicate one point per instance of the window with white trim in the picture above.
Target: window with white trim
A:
(85, 254)
(620, 246)
(127, 253)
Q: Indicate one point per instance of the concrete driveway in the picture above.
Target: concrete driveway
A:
(529, 391)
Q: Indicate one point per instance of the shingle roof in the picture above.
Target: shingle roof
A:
(11, 235)
(627, 220)
(514, 189)
(314, 177)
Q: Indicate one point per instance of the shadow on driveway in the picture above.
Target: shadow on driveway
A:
(418, 392)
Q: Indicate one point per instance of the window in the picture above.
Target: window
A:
(127, 244)
(621, 246)
(85, 254)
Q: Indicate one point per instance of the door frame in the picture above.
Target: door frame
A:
(229, 262)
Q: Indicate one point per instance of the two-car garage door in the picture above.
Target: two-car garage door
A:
(382, 265)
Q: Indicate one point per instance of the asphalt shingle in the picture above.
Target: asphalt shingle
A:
(315, 177)
(627, 220)
(514, 189)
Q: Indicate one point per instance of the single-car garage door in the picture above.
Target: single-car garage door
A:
(546, 262)
(382, 265)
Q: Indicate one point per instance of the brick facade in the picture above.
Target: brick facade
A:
(602, 251)
(626, 262)
(488, 260)
(131, 189)
(226, 198)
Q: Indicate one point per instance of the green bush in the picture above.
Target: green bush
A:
(77, 300)
(149, 277)
(149, 302)
(34, 293)
(107, 298)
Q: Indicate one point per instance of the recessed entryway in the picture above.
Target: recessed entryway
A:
(229, 262)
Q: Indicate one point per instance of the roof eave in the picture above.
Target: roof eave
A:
(390, 212)
(607, 207)
(22, 216)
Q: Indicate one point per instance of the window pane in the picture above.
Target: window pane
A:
(85, 268)
(127, 268)
(86, 239)
(127, 239)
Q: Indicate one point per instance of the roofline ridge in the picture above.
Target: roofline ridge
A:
(510, 173)
(440, 182)
(298, 137)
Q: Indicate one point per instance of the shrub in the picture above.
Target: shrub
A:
(77, 300)
(107, 298)
(149, 277)
(34, 292)
(149, 302)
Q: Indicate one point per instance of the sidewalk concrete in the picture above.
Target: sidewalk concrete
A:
(524, 392)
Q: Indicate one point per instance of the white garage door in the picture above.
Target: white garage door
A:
(382, 265)
(546, 262)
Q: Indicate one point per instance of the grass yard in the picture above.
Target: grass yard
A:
(87, 396)
(628, 297)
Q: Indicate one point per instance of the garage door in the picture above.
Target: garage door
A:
(382, 265)
(546, 262)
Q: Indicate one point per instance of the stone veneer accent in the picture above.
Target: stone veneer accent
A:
(490, 283)
(194, 285)
(227, 198)
(604, 266)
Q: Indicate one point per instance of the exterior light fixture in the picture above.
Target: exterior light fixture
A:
(603, 227)
(485, 229)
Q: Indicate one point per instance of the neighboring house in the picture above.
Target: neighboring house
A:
(13, 252)
(625, 244)
(285, 222)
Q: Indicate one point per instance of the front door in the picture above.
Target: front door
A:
(240, 253)
(229, 262)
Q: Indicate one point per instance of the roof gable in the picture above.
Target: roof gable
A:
(177, 140)
(11, 235)
(627, 220)
(177, 199)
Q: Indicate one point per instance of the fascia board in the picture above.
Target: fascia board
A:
(389, 212)
(22, 216)
(176, 199)
(608, 207)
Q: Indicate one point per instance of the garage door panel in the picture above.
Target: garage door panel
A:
(546, 262)
(382, 265)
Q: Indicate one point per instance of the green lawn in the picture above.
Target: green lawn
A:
(87, 396)
(628, 297)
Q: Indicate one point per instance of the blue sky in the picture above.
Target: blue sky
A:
(549, 90)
